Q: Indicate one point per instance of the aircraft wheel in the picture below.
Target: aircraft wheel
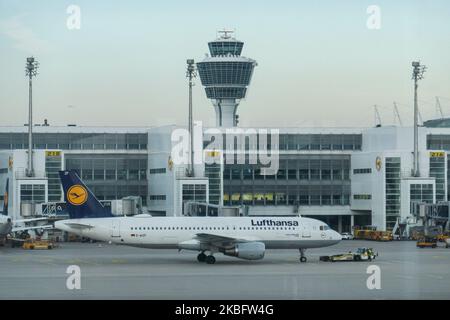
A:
(303, 259)
(210, 259)
(201, 257)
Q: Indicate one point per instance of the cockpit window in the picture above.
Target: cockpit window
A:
(325, 227)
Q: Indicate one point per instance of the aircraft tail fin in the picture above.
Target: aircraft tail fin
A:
(81, 202)
(5, 199)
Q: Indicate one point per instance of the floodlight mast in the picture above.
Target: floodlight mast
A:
(418, 71)
(31, 71)
(191, 73)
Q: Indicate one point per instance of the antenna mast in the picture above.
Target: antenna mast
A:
(418, 71)
(31, 71)
(191, 74)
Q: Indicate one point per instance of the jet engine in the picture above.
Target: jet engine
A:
(246, 250)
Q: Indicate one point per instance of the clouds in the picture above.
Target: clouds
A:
(22, 37)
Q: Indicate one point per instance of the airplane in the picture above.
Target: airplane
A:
(241, 237)
(8, 226)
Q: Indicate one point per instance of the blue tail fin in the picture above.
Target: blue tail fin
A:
(81, 202)
(6, 198)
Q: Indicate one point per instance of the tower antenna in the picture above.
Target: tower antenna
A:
(31, 71)
(418, 71)
(191, 73)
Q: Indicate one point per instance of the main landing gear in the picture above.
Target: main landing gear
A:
(202, 257)
(302, 255)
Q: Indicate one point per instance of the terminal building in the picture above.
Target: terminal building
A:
(346, 177)
(343, 176)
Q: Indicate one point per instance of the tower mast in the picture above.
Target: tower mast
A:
(31, 71)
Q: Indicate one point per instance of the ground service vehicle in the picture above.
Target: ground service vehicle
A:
(362, 254)
(427, 242)
(347, 236)
(37, 244)
(443, 237)
(371, 233)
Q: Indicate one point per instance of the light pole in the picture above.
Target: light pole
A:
(418, 71)
(31, 71)
(191, 74)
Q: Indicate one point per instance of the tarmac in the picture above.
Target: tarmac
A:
(118, 272)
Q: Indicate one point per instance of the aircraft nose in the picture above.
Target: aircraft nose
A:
(337, 236)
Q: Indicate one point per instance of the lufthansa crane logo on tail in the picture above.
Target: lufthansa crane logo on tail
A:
(77, 195)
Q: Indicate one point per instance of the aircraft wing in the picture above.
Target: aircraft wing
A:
(30, 220)
(220, 241)
(16, 229)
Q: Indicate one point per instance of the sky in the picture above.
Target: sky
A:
(318, 62)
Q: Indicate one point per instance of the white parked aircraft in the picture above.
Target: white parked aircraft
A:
(241, 237)
(8, 226)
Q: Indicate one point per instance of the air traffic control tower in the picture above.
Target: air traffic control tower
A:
(226, 75)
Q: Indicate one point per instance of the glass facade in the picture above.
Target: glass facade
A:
(362, 171)
(193, 192)
(293, 142)
(75, 141)
(393, 179)
(223, 48)
(438, 142)
(32, 193)
(437, 171)
(225, 93)
(112, 176)
(225, 72)
(320, 142)
(300, 180)
(421, 193)
(213, 173)
(53, 164)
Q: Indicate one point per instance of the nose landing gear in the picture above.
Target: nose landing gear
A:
(302, 255)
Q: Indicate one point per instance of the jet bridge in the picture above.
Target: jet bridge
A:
(434, 217)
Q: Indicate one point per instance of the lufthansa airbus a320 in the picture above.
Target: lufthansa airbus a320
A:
(241, 237)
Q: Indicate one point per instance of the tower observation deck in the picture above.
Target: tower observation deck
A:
(226, 75)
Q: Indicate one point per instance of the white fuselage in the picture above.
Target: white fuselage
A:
(168, 232)
(5, 226)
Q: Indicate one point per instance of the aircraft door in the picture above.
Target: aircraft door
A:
(115, 228)
(306, 233)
